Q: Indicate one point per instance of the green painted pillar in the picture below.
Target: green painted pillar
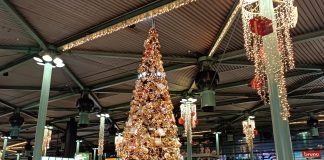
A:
(281, 130)
(4, 147)
(18, 156)
(42, 111)
(217, 143)
(94, 153)
(189, 145)
(77, 149)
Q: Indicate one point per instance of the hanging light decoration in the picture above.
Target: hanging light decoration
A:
(255, 27)
(16, 121)
(249, 131)
(84, 105)
(206, 81)
(101, 133)
(188, 116)
(47, 138)
(118, 140)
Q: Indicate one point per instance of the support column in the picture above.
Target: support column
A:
(280, 127)
(70, 138)
(42, 111)
(18, 156)
(94, 153)
(217, 143)
(189, 146)
(77, 149)
(4, 147)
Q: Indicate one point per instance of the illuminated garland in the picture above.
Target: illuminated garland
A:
(285, 18)
(248, 130)
(47, 138)
(118, 140)
(152, 13)
(101, 136)
(189, 115)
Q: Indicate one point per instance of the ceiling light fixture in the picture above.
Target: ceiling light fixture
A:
(48, 58)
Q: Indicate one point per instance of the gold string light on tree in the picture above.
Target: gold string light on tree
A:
(150, 132)
(255, 27)
(123, 24)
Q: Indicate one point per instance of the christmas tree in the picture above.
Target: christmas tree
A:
(151, 131)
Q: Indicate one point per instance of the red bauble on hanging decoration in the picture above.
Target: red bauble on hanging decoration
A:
(255, 84)
(197, 121)
(256, 132)
(180, 121)
(193, 113)
(261, 25)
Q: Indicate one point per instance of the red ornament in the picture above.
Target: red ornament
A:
(256, 132)
(180, 121)
(261, 25)
(255, 84)
(197, 121)
(193, 113)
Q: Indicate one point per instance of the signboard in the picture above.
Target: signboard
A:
(312, 154)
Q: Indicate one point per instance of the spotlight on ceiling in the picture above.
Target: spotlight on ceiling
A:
(84, 105)
(106, 115)
(49, 58)
(206, 81)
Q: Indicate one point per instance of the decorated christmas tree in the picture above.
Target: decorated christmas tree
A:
(151, 131)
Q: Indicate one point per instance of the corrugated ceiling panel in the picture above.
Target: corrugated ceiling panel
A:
(55, 20)
(311, 16)
(310, 52)
(11, 32)
(96, 69)
(190, 28)
(30, 74)
(182, 79)
(236, 75)
(8, 56)
(233, 39)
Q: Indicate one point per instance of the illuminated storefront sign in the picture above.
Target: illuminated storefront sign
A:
(311, 154)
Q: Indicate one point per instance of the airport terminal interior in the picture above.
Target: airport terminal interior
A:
(161, 79)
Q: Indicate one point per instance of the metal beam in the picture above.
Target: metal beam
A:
(124, 79)
(234, 12)
(301, 83)
(28, 28)
(129, 56)
(16, 63)
(34, 88)
(20, 49)
(51, 99)
(113, 21)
